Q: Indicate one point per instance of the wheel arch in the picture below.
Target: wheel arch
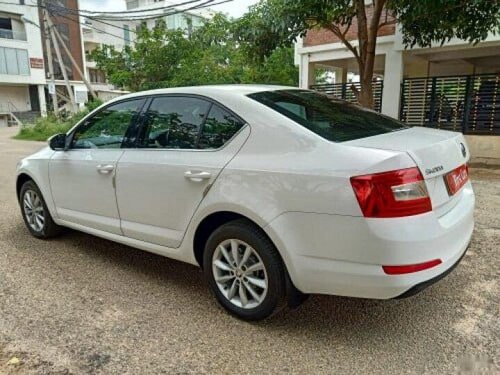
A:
(23, 176)
(21, 179)
(206, 227)
(215, 219)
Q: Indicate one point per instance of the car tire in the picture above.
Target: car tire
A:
(262, 275)
(35, 213)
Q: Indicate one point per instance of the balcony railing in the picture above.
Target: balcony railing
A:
(9, 34)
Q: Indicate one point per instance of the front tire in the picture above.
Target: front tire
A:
(245, 271)
(35, 212)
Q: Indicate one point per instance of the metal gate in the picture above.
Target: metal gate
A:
(345, 91)
(467, 103)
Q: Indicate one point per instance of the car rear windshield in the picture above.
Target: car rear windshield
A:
(334, 120)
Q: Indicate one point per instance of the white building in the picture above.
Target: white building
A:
(96, 34)
(184, 21)
(22, 74)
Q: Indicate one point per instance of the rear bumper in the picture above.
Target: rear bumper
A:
(343, 255)
(425, 284)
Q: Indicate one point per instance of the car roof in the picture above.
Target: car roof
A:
(210, 91)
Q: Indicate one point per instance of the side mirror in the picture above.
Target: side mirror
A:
(57, 142)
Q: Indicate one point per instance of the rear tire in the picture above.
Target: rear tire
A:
(252, 286)
(35, 213)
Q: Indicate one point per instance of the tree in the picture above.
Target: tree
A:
(152, 61)
(209, 54)
(275, 23)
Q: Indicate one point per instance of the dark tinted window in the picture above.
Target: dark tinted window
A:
(174, 122)
(108, 127)
(219, 128)
(333, 120)
(6, 24)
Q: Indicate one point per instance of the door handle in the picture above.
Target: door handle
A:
(105, 168)
(197, 176)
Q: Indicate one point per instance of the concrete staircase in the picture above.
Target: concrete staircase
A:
(11, 116)
(26, 117)
(8, 119)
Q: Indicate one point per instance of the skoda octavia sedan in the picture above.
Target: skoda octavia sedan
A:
(275, 192)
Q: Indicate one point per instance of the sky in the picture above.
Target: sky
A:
(235, 8)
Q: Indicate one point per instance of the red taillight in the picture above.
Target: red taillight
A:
(392, 194)
(410, 268)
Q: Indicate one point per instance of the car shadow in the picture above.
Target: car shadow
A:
(320, 315)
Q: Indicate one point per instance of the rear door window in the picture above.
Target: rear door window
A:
(220, 126)
(334, 120)
(174, 122)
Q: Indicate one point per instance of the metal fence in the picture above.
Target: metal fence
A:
(467, 103)
(345, 91)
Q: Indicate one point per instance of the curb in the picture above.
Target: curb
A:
(486, 163)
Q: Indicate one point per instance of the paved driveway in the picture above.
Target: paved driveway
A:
(80, 304)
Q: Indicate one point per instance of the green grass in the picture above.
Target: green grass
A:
(45, 127)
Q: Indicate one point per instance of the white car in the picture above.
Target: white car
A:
(276, 192)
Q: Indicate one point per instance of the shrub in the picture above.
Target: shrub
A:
(45, 127)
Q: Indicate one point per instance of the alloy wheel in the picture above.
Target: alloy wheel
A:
(33, 210)
(239, 273)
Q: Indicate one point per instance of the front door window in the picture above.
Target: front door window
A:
(108, 127)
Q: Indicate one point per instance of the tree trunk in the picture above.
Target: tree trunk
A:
(367, 37)
(365, 97)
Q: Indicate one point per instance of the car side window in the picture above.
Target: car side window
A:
(174, 122)
(219, 127)
(108, 127)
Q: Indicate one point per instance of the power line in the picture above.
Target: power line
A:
(123, 12)
(54, 8)
(143, 10)
(74, 12)
(95, 28)
(137, 10)
(99, 19)
(106, 23)
(206, 4)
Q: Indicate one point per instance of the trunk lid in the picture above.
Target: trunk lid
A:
(435, 152)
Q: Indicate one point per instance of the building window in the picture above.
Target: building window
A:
(58, 74)
(142, 26)
(196, 21)
(62, 3)
(5, 23)
(126, 34)
(97, 76)
(63, 29)
(14, 61)
(131, 4)
(6, 28)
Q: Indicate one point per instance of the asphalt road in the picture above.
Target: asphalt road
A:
(79, 304)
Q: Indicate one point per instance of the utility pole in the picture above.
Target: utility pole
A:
(50, 62)
(61, 62)
(65, 47)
